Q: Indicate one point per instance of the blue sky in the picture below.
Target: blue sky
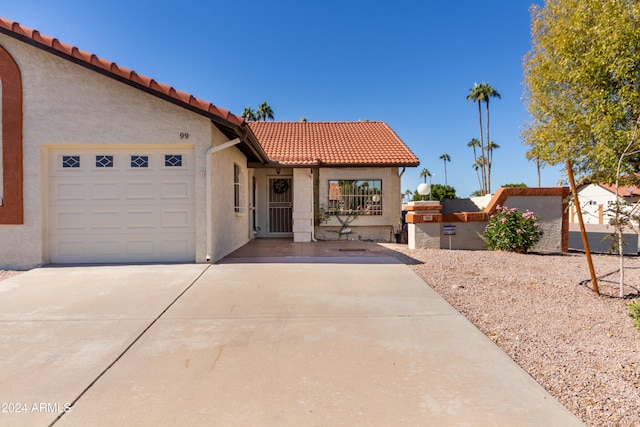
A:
(409, 63)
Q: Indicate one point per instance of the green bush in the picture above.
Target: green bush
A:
(513, 231)
(634, 313)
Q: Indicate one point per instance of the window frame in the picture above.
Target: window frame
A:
(236, 188)
(356, 200)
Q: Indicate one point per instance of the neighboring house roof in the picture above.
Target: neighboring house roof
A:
(629, 191)
(332, 144)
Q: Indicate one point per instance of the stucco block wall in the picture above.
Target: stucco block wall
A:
(66, 104)
(468, 236)
(471, 204)
(365, 227)
(424, 235)
(549, 210)
(546, 203)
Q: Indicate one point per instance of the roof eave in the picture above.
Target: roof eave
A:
(340, 165)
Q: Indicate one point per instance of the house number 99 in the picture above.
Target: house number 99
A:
(184, 135)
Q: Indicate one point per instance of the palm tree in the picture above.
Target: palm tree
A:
(445, 158)
(482, 93)
(474, 143)
(424, 173)
(481, 163)
(249, 114)
(476, 167)
(264, 112)
(490, 147)
(476, 94)
(489, 92)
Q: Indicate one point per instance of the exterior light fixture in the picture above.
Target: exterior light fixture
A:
(424, 189)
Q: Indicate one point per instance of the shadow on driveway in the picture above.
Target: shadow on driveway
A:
(286, 251)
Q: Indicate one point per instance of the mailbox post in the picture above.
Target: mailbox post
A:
(449, 230)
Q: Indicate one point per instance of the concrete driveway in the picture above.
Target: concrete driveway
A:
(251, 344)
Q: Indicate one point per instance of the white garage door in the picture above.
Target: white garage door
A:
(121, 205)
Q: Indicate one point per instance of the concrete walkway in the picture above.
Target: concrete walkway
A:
(252, 344)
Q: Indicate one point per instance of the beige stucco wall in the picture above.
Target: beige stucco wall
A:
(468, 236)
(230, 229)
(68, 104)
(365, 227)
(303, 205)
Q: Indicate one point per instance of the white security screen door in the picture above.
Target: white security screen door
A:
(280, 205)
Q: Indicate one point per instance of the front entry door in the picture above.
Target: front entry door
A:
(280, 205)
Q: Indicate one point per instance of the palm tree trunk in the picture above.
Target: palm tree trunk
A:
(483, 190)
(445, 171)
(489, 151)
(478, 175)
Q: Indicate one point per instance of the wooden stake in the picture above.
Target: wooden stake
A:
(583, 231)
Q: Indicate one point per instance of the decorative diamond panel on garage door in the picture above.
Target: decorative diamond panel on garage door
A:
(121, 205)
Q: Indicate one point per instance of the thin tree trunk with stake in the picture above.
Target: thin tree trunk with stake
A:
(619, 223)
(583, 232)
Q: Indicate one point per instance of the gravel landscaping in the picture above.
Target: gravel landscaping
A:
(541, 310)
(5, 274)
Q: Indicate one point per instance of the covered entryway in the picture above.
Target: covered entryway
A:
(121, 204)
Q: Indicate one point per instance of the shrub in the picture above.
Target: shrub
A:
(634, 313)
(513, 231)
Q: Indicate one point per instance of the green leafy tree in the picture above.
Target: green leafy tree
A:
(445, 158)
(438, 192)
(582, 79)
(441, 192)
(521, 185)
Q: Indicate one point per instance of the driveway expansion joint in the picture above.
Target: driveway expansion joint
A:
(121, 355)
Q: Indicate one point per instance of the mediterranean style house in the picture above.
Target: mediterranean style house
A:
(99, 164)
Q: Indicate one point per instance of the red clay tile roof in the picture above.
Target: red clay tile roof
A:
(90, 60)
(332, 143)
(628, 191)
